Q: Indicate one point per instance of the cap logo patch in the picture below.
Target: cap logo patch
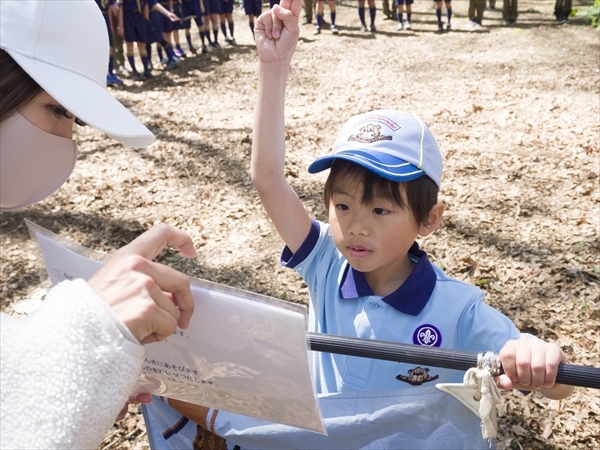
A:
(369, 133)
(382, 119)
(427, 335)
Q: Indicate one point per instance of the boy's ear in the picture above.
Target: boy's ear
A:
(433, 221)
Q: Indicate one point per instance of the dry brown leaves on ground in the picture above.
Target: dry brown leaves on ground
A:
(516, 113)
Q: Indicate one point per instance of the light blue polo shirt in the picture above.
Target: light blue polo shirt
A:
(429, 308)
(368, 403)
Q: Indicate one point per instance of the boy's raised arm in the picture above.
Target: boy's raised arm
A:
(276, 35)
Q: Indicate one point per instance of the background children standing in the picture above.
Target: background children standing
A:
(252, 8)
(226, 20)
(135, 13)
(400, 11)
(212, 11)
(372, 14)
(438, 13)
(319, 14)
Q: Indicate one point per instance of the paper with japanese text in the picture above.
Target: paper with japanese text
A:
(243, 352)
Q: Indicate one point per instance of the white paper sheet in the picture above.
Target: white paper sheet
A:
(244, 353)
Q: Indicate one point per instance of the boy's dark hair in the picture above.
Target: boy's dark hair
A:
(421, 193)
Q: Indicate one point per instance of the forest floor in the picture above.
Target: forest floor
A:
(516, 111)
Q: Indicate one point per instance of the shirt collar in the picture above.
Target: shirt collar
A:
(410, 298)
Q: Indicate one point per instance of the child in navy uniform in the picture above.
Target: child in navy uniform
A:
(372, 14)
(400, 11)
(190, 9)
(134, 29)
(212, 12)
(226, 20)
(438, 13)
(178, 10)
(367, 278)
(252, 9)
(319, 13)
(155, 32)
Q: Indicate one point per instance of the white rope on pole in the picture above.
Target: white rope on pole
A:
(491, 403)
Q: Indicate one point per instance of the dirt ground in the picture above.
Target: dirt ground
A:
(516, 112)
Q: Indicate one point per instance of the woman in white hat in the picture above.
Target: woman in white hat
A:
(68, 369)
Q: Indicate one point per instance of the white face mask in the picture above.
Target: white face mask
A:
(33, 163)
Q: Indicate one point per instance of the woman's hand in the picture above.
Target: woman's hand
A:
(151, 299)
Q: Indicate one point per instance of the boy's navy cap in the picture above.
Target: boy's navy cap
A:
(394, 144)
(63, 46)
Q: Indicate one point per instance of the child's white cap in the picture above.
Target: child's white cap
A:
(63, 46)
(394, 144)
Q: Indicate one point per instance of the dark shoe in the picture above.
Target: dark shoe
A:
(204, 48)
(373, 28)
(148, 75)
(306, 21)
(440, 27)
(171, 65)
(138, 76)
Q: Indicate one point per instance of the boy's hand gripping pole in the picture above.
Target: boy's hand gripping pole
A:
(582, 376)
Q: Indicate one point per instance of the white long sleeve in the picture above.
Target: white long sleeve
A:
(67, 370)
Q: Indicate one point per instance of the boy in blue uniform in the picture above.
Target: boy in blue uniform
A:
(367, 278)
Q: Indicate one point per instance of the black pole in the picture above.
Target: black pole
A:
(583, 376)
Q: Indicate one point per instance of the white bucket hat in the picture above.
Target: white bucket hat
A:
(63, 45)
(394, 144)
